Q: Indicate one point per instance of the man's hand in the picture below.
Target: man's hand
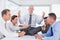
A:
(43, 28)
(38, 36)
(21, 33)
(26, 26)
(43, 14)
(19, 13)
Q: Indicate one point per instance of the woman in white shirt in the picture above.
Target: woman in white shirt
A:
(13, 26)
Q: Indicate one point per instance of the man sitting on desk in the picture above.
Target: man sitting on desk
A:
(31, 20)
(43, 28)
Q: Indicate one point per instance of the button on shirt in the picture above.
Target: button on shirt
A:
(4, 31)
(35, 19)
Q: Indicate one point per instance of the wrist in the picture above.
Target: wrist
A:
(42, 38)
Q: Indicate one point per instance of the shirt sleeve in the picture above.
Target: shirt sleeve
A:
(39, 19)
(56, 35)
(6, 33)
(21, 19)
(48, 33)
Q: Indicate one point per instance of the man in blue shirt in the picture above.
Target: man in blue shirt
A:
(54, 30)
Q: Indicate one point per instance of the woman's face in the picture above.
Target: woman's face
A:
(46, 22)
(15, 20)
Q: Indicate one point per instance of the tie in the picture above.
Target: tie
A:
(51, 31)
(30, 18)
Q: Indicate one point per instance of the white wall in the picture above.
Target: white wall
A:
(14, 8)
(38, 10)
(56, 10)
(2, 5)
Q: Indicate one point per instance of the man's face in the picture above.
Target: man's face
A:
(31, 9)
(7, 15)
(15, 20)
(49, 19)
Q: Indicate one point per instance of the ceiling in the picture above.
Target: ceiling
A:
(35, 2)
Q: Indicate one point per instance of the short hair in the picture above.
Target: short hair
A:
(13, 17)
(5, 12)
(45, 17)
(53, 15)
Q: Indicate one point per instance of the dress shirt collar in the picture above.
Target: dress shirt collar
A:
(3, 20)
(30, 14)
(53, 24)
(13, 24)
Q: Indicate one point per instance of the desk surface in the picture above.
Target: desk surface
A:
(21, 38)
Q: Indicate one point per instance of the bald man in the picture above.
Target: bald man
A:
(31, 19)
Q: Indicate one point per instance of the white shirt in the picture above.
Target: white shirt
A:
(12, 28)
(35, 19)
(4, 31)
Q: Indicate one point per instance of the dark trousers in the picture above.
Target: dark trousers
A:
(32, 30)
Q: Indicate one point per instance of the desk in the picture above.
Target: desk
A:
(21, 38)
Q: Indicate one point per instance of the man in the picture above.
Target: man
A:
(31, 19)
(46, 26)
(5, 17)
(13, 26)
(54, 30)
(43, 28)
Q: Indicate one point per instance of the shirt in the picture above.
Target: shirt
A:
(56, 32)
(35, 19)
(12, 28)
(4, 31)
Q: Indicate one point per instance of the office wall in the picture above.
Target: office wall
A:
(24, 9)
(38, 10)
(2, 5)
(56, 10)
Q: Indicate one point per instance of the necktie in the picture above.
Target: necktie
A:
(30, 18)
(51, 31)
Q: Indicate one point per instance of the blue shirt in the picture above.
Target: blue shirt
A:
(56, 32)
(48, 33)
(35, 19)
